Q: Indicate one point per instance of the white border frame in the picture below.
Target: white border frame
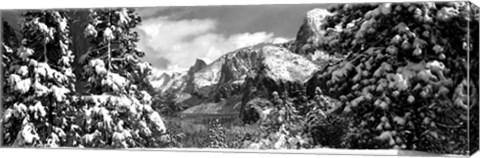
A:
(187, 152)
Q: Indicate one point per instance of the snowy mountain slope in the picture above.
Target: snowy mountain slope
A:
(279, 63)
(160, 81)
(255, 71)
(222, 85)
(310, 31)
(201, 78)
(284, 65)
(230, 67)
(172, 81)
(175, 81)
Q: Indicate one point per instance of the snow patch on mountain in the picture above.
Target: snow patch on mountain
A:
(284, 65)
(311, 29)
(163, 80)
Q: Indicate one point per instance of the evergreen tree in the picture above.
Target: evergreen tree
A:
(9, 37)
(404, 79)
(9, 44)
(39, 85)
(216, 134)
(117, 108)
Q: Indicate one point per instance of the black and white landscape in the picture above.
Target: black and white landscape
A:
(308, 76)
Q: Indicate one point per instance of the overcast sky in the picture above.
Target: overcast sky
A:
(174, 37)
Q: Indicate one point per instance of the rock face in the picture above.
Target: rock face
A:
(160, 82)
(271, 61)
(311, 30)
(176, 82)
(199, 64)
(225, 84)
(229, 82)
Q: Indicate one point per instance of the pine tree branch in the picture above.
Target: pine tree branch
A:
(98, 49)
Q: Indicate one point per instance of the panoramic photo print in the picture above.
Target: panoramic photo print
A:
(399, 76)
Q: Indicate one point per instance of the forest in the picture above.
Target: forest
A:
(390, 76)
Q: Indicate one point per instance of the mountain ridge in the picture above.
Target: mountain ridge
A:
(227, 82)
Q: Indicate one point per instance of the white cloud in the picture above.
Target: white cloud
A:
(182, 42)
(279, 40)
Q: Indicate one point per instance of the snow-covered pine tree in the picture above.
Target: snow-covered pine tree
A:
(404, 81)
(39, 85)
(117, 107)
(216, 134)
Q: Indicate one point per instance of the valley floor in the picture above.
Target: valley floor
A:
(197, 132)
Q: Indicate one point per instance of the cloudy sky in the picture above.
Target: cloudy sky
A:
(174, 37)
